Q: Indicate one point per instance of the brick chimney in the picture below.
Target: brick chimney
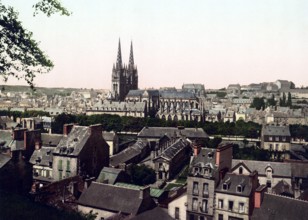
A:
(96, 129)
(67, 128)
(224, 156)
(196, 149)
(259, 194)
(18, 134)
(38, 145)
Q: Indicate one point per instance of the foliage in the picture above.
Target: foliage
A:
(142, 175)
(258, 103)
(250, 153)
(20, 55)
(284, 102)
(299, 131)
(25, 114)
(213, 143)
(271, 101)
(20, 207)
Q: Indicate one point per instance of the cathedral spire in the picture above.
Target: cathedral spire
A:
(131, 56)
(119, 57)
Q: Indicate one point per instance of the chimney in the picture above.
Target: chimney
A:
(259, 194)
(87, 182)
(74, 188)
(144, 192)
(38, 145)
(67, 128)
(96, 129)
(224, 156)
(18, 134)
(196, 149)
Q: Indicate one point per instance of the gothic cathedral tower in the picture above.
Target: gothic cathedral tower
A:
(124, 78)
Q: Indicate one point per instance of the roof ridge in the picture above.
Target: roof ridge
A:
(287, 197)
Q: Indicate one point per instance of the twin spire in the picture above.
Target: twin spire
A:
(119, 56)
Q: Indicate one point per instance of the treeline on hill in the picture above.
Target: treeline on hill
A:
(117, 123)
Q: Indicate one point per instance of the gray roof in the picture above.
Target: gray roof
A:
(299, 169)
(4, 159)
(154, 214)
(279, 169)
(108, 175)
(5, 138)
(119, 106)
(51, 139)
(139, 92)
(128, 153)
(235, 180)
(170, 152)
(206, 158)
(177, 95)
(114, 198)
(275, 207)
(73, 143)
(276, 130)
(16, 145)
(157, 132)
(43, 156)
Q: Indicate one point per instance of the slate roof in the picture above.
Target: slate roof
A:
(16, 145)
(157, 132)
(73, 143)
(51, 139)
(43, 156)
(108, 175)
(115, 199)
(154, 214)
(206, 158)
(5, 138)
(128, 153)
(235, 180)
(279, 169)
(276, 130)
(170, 152)
(276, 207)
(4, 159)
(299, 170)
(167, 94)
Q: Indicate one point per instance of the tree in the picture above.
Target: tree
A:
(289, 101)
(283, 101)
(258, 103)
(20, 55)
(272, 101)
(142, 175)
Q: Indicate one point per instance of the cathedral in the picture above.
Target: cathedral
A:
(124, 77)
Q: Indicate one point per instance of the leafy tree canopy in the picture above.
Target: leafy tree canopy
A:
(20, 55)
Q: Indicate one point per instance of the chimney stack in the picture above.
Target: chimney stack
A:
(259, 194)
(67, 129)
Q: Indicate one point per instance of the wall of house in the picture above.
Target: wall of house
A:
(199, 196)
(63, 172)
(178, 203)
(43, 171)
(280, 146)
(235, 212)
(101, 214)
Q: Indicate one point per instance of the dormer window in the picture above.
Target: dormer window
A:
(240, 170)
(210, 155)
(226, 184)
(239, 188)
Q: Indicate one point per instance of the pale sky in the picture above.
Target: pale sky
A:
(213, 42)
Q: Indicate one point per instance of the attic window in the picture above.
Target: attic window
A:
(239, 188)
(48, 152)
(226, 184)
(210, 155)
(75, 139)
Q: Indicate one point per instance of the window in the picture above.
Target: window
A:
(68, 166)
(60, 165)
(177, 213)
(60, 175)
(205, 189)
(204, 205)
(195, 188)
(276, 138)
(239, 188)
(240, 170)
(270, 138)
(230, 205)
(269, 184)
(284, 139)
(225, 186)
(241, 207)
(220, 217)
(201, 218)
(220, 203)
(195, 204)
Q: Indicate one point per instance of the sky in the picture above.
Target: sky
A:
(213, 42)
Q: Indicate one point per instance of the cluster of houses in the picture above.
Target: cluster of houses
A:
(85, 169)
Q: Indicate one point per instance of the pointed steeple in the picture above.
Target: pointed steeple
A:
(131, 56)
(119, 57)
